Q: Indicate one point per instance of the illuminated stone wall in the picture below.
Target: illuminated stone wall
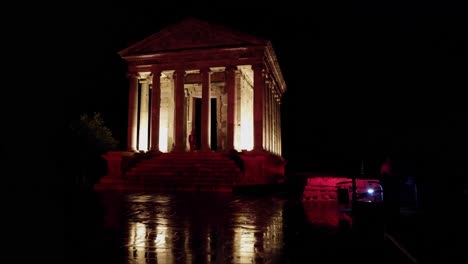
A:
(166, 122)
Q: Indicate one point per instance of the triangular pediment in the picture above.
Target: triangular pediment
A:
(191, 33)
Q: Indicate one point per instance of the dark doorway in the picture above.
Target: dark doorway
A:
(196, 126)
(213, 122)
(214, 125)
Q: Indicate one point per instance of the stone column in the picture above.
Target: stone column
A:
(279, 128)
(231, 105)
(179, 75)
(265, 115)
(205, 111)
(272, 118)
(132, 112)
(238, 107)
(269, 118)
(155, 109)
(275, 123)
(259, 92)
(144, 118)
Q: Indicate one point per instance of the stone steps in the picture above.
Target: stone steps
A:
(165, 186)
(193, 171)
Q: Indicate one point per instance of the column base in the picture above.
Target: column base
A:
(259, 150)
(155, 151)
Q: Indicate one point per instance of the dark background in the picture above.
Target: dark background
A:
(364, 80)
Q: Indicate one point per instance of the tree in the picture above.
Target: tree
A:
(90, 139)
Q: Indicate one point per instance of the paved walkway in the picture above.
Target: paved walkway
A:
(435, 237)
(209, 228)
(407, 235)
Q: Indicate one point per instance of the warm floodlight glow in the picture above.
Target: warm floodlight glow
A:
(163, 239)
(144, 118)
(163, 139)
(247, 136)
(161, 235)
(164, 126)
(246, 125)
(244, 244)
(143, 140)
(137, 242)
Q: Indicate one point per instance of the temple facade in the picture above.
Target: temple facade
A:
(225, 86)
(219, 88)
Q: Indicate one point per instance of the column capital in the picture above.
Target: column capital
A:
(258, 67)
(156, 70)
(144, 75)
(167, 75)
(231, 68)
(179, 73)
(155, 75)
(206, 69)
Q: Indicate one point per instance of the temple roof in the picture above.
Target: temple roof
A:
(191, 33)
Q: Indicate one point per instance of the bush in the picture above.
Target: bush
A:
(90, 139)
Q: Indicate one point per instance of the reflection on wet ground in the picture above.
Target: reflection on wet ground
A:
(113, 227)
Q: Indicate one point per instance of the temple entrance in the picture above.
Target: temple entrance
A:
(197, 120)
(213, 139)
(213, 125)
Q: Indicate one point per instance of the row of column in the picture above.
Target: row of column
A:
(266, 116)
(272, 119)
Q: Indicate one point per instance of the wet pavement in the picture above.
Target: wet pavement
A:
(191, 227)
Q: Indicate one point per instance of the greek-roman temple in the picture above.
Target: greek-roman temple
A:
(222, 86)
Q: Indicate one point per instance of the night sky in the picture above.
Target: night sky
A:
(363, 81)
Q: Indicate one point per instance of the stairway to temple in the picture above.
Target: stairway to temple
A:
(183, 171)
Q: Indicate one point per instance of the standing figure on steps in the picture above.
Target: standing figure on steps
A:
(192, 140)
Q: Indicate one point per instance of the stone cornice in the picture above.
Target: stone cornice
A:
(191, 65)
(233, 52)
(271, 59)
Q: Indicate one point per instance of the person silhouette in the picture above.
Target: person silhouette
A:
(192, 141)
(391, 188)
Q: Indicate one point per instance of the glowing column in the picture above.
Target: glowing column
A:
(179, 110)
(265, 113)
(231, 105)
(275, 123)
(269, 119)
(272, 120)
(279, 124)
(205, 111)
(259, 92)
(144, 117)
(279, 128)
(155, 109)
(132, 112)
(237, 131)
(166, 114)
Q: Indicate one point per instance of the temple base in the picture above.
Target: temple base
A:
(204, 171)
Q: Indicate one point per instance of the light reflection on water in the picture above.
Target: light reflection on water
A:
(328, 215)
(197, 227)
(134, 228)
